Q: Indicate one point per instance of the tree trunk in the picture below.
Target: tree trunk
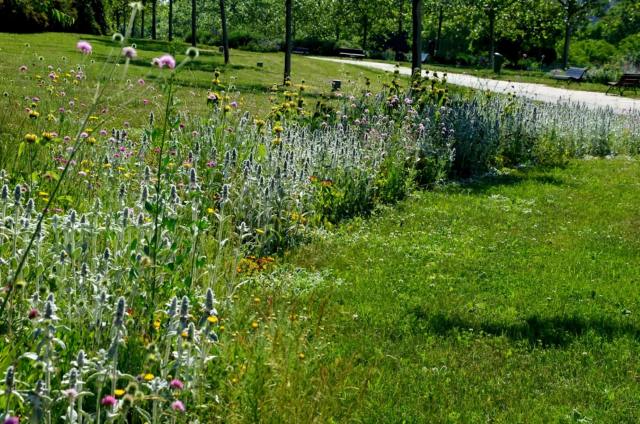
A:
(439, 33)
(492, 41)
(567, 42)
(193, 23)
(142, 20)
(154, 17)
(170, 20)
(287, 38)
(416, 56)
(365, 31)
(225, 36)
(400, 30)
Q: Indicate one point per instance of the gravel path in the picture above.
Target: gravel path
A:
(533, 91)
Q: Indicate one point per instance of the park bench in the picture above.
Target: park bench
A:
(571, 75)
(300, 50)
(352, 53)
(626, 81)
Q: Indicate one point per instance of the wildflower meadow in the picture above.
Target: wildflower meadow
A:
(153, 237)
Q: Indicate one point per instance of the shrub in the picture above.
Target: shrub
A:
(592, 52)
(630, 49)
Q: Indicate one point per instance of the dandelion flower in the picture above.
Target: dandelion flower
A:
(84, 47)
(148, 377)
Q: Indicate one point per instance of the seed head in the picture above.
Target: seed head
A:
(120, 309)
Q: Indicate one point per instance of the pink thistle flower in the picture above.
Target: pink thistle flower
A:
(176, 384)
(33, 313)
(103, 132)
(61, 110)
(84, 47)
(178, 406)
(84, 135)
(141, 81)
(67, 138)
(234, 105)
(164, 60)
(23, 68)
(108, 400)
(212, 164)
(145, 101)
(129, 52)
(12, 420)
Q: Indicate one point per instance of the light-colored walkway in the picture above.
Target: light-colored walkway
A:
(533, 91)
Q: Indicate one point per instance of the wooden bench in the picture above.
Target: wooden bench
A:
(300, 50)
(352, 53)
(571, 75)
(626, 81)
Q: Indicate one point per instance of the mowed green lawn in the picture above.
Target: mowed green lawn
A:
(510, 299)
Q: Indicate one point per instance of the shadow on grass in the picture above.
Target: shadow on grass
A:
(484, 184)
(555, 331)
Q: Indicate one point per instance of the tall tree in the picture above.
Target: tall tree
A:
(288, 7)
(142, 19)
(492, 10)
(154, 19)
(416, 50)
(193, 23)
(574, 11)
(225, 35)
(170, 20)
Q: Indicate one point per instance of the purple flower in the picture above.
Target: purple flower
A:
(176, 384)
(141, 81)
(234, 105)
(12, 420)
(108, 400)
(178, 406)
(164, 60)
(129, 52)
(103, 132)
(84, 47)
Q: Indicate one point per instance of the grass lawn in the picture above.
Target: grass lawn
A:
(242, 78)
(509, 299)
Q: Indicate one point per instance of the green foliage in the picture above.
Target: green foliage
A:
(586, 52)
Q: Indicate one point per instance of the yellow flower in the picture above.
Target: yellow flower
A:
(119, 392)
(34, 114)
(148, 377)
(301, 355)
(211, 211)
(184, 334)
(31, 138)
(156, 324)
(43, 194)
(213, 319)
(254, 325)
(93, 118)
